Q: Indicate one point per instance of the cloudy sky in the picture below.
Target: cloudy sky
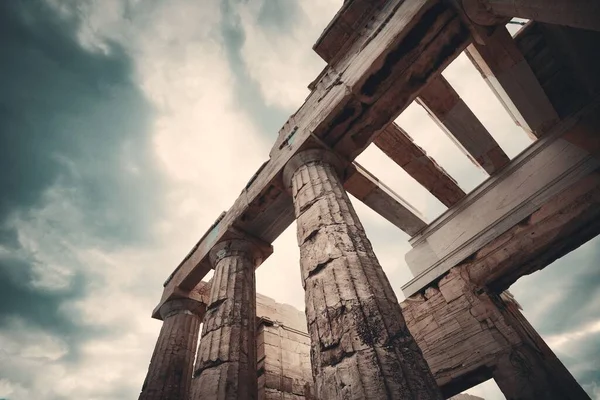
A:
(127, 126)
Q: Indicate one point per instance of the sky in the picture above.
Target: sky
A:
(128, 126)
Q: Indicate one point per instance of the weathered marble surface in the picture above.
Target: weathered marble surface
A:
(170, 372)
(469, 335)
(226, 361)
(360, 345)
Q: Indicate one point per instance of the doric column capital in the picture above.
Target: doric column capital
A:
(182, 306)
(308, 156)
(237, 247)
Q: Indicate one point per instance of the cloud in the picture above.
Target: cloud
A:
(72, 129)
(135, 142)
(249, 96)
(572, 287)
(79, 173)
(562, 302)
(277, 50)
(126, 127)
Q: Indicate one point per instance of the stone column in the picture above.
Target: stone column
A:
(583, 14)
(360, 345)
(226, 362)
(530, 370)
(170, 372)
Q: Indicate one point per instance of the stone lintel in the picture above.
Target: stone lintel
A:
(535, 178)
(457, 120)
(380, 198)
(400, 148)
(344, 28)
(510, 77)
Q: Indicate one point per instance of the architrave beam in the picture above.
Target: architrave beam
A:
(399, 147)
(457, 120)
(361, 93)
(510, 77)
(545, 181)
(376, 195)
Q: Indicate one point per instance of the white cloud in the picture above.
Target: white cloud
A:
(207, 147)
(31, 343)
(487, 390)
(593, 390)
(563, 341)
(283, 62)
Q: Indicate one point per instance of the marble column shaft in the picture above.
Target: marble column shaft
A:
(360, 345)
(170, 372)
(226, 362)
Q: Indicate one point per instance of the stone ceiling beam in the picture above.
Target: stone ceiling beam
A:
(457, 120)
(542, 205)
(510, 77)
(398, 146)
(381, 199)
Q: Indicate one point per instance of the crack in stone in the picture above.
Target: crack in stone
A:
(311, 236)
(320, 267)
(208, 365)
(341, 357)
(216, 304)
(307, 205)
(302, 185)
(342, 228)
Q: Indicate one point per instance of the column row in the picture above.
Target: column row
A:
(360, 345)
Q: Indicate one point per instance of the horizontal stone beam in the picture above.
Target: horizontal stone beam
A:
(551, 166)
(510, 77)
(344, 29)
(457, 120)
(564, 62)
(381, 199)
(398, 146)
(358, 95)
(561, 225)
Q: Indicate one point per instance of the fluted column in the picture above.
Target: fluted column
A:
(226, 363)
(360, 345)
(170, 372)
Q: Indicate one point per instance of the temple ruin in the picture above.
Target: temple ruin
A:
(458, 325)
